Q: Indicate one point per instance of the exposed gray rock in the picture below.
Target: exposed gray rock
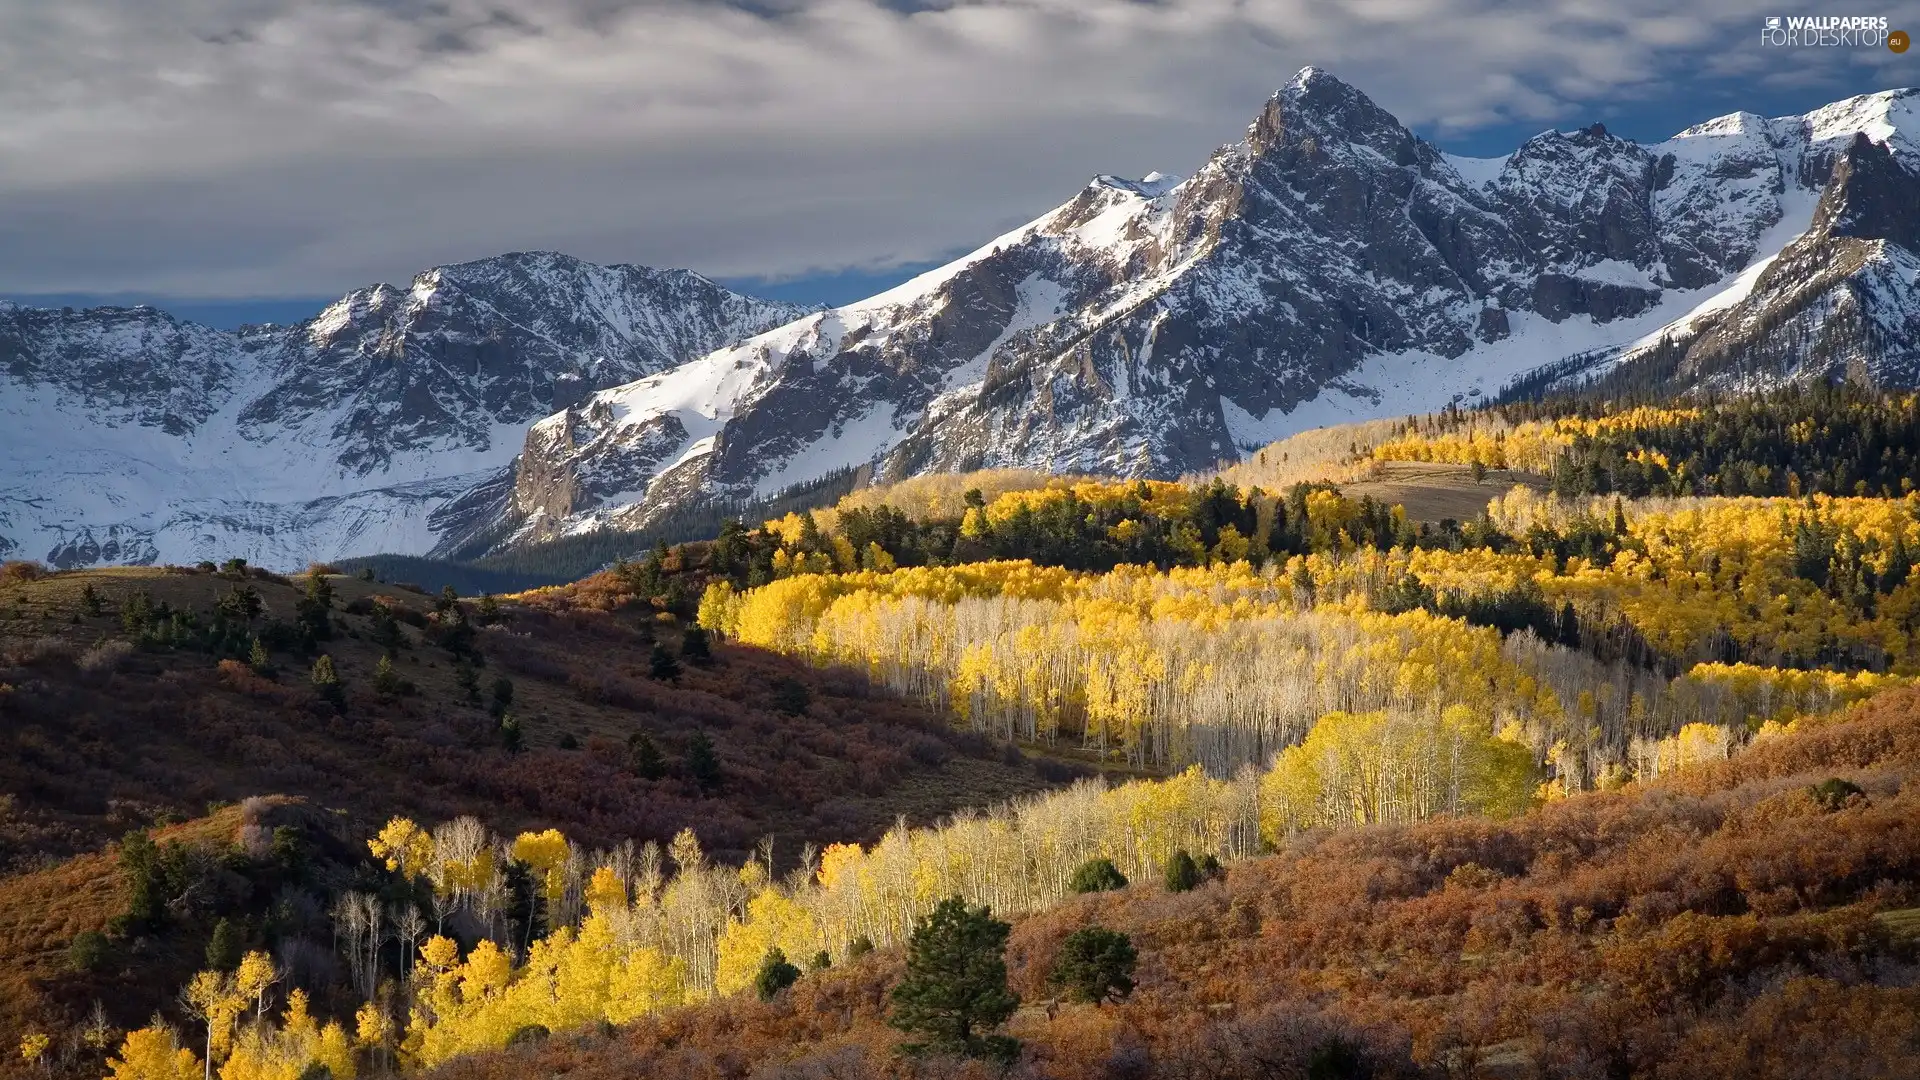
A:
(131, 436)
(1156, 328)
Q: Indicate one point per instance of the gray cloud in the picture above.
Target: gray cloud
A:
(260, 147)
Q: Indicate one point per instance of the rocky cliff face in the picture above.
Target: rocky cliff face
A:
(1837, 302)
(133, 437)
(1330, 265)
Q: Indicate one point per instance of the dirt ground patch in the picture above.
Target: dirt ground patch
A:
(1433, 492)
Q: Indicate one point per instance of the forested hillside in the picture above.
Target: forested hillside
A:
(1608, 778)
(1751, 918)
(134, 699)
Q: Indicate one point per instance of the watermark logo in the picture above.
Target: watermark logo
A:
(1831, 31)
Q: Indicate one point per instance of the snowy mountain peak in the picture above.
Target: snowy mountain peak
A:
(1735, 123)
(134, 435)
(1151, 186)
(1330, 266)
(1318, 111)
(1890, 116)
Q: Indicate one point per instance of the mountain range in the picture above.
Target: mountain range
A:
(134, 437)
(1330, 265)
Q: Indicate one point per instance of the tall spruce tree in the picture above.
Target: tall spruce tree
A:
(955, 990)
(702, 763)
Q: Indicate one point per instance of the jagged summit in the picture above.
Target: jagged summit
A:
(1318, 111)
(1331, 265)
(132, 435)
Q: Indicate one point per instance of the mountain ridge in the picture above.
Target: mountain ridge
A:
(1329, 265)
(141, 437)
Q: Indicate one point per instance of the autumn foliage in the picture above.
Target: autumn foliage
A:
(1717, 923)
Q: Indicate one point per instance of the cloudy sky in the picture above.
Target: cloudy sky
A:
(208, 150)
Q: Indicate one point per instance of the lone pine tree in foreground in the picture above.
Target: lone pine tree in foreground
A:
(956, 983)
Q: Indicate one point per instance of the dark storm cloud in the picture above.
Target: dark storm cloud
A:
(260, 147)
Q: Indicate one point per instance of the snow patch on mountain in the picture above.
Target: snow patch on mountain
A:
(132, 436)
(1330, 266)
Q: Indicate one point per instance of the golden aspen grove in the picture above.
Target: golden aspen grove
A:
(1647, 623)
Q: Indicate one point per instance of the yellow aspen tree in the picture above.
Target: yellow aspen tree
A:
(214, 998)
(153, 1053)
(645, 981)
(33, 1049)
(373, 1030)
(404, 847)
(546, 854)
(253, 978)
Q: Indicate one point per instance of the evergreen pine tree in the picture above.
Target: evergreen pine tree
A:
(136, 612)
(661, 664)
(386, 682)
(1899, 565)
(326, 682)
(775, 975)
(1096, 875)
(955, 988)
(811, 542)
(386, 629)
(1569, 626)
(452, 632)
(467, 679)
(651, 576)
(695, 647)
(223, 948)
(257, 658)
(511, 736)
(1182, 872)
(702, 763)
(645, 757)
(312, 610)
(1095, 964)
(90, 601)
(790, 696)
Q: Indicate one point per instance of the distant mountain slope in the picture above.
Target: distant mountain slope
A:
(1329, 266)
(133, 437)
